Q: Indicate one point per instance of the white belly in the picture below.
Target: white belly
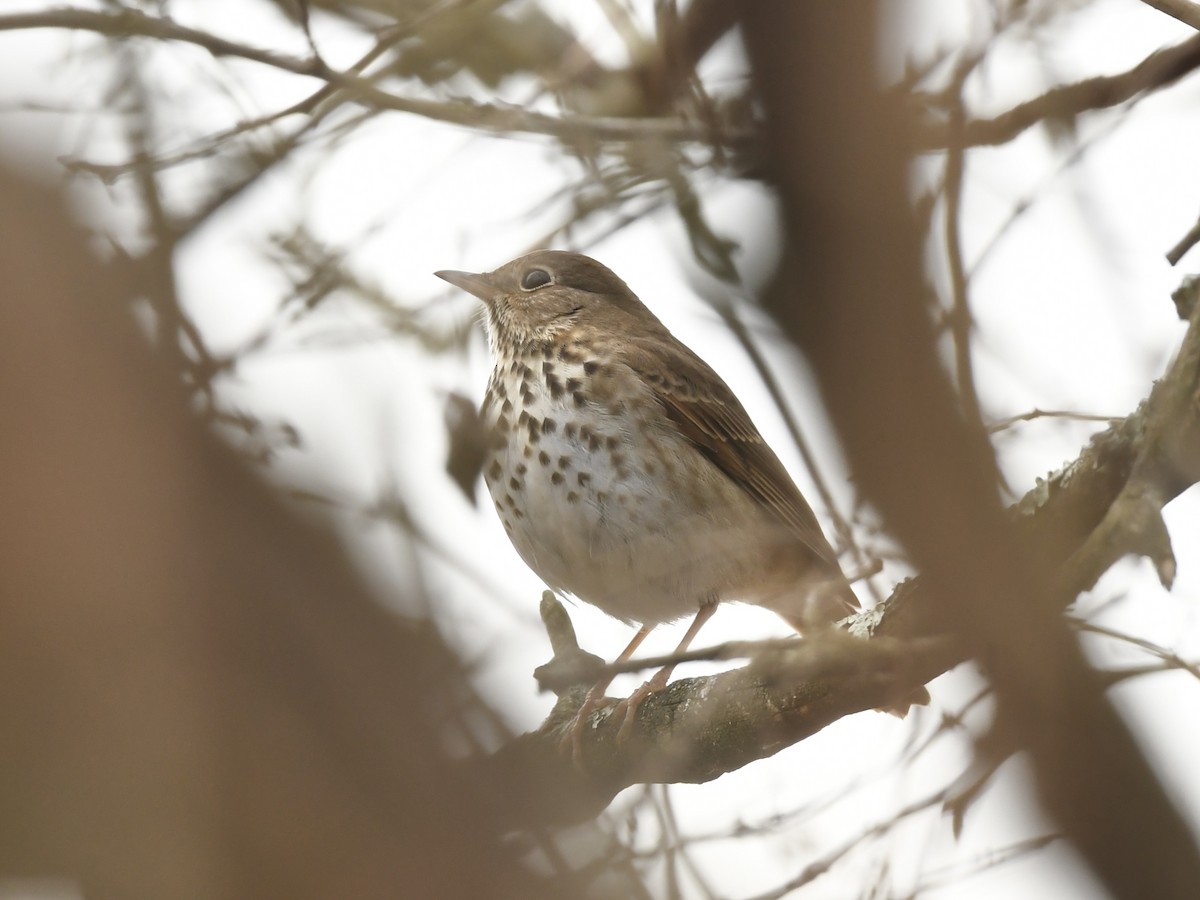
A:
(592, 513)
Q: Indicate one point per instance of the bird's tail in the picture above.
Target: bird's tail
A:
(821, 604)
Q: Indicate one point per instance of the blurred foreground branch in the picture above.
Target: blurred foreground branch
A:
(198, 696)
(853, 296)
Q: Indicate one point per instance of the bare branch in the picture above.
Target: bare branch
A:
(1167, 658)
(468, 113)
(1166, 463)
(696, 729)
(127, 22)
(1154, 72)
(820, 866)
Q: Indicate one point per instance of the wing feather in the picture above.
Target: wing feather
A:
(708, 413)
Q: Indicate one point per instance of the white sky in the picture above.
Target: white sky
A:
(1073, 311)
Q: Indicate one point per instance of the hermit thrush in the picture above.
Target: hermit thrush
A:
(625, 470)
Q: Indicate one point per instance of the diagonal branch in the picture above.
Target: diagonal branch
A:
(1168, 461)
(1158, 70)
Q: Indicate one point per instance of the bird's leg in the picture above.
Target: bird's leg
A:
(663, 675)
(595, 695)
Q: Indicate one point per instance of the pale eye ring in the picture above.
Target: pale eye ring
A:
(534, 279)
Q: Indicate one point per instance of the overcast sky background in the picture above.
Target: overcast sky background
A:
(1073, 310)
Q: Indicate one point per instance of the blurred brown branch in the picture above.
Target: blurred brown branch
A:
(199, 697)
(488, 117)
(864, 324)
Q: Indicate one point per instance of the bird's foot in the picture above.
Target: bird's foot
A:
(572, 740)
(626, 709)
(634, 700)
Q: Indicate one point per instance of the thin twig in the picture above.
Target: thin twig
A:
(465, 112)
(1036, 413)
(1167, 657)
(819, 867)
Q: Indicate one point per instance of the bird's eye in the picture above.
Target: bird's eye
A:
(534, 279)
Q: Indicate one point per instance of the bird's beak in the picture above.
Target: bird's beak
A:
(480, 285)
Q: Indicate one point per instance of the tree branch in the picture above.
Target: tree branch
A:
(1167, 463)
(1156, 71)
(468, 113)
(697, 729)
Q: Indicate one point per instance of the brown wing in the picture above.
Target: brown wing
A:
(707, 413)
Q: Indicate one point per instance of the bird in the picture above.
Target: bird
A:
(626, 472)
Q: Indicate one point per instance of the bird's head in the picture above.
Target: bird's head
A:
(543, 295)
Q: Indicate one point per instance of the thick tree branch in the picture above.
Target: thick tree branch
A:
(697, 729)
